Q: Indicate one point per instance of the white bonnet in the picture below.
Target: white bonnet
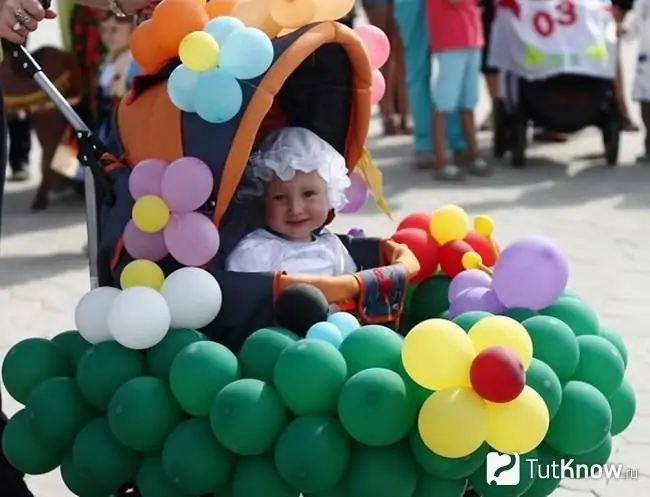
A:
(293, 149)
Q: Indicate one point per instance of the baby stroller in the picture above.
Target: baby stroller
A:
(319, 79)
(557, 72)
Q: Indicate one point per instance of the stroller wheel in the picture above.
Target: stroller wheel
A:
(500, 131)
(519, 129)
(612, 138)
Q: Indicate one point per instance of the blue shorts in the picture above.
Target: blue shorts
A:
(456, 85)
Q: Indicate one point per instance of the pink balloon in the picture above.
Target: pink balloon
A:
(146, 178)
(141, 245)
(376, 43)
(187, 184)
(378, 87)
(191, 238)
(357, 194)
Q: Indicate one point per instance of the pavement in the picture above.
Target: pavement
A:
(596, 214)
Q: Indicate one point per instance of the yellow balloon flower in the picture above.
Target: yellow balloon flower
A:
(449, 223)
(517, 426)
(150, 214)
(484, 225)
(502, 331)
(437, 354)
(199, 51)
(142, 272)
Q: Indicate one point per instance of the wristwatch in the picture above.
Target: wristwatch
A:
(115, 8)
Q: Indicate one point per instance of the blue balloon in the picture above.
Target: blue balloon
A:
(221, 27)
(180, 88)
(247, 53)
(217, 96)
(345, 322)
(326, 332)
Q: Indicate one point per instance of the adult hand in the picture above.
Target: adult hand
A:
(19, 17)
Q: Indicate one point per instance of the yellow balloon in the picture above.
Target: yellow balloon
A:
(449, 223)
(502, 331)
(453, 422)
(484, 225)
(142, 272)
(517, 426)
(255, 14)
(332, 10)
(150, 214)
(199, 51)
(292, 13)
(437, 354)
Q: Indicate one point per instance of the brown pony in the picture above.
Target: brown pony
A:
(23, 95)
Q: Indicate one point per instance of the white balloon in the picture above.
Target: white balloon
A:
(193, 296)
(92, 311)
(139, 318)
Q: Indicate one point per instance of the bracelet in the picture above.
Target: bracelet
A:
(115, 8)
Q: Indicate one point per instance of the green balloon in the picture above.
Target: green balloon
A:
(29, 363)
(104, 368)
(257, 476)
(443, 467)
(623, 405)
(160, 357)
(80, 483)
(570, 294)
(520, 314)
(579, 316)
(554, 344)
(410, 290)
(417, 394)
(600, 364)
(143, 413)
(382, 472)
(527, 473)
(374, 407)
(372, 346)
(469, 319)
(541, 378)
(432, 486)
(261, 350)
(615, 339)
(152, 481)
(430, 299)
(337, 491)
(313, 453)
(549, 472)
(194, 460)
(597, 457)
(583, 421)
(247, 417)
(225, 490)
(73, 346)
(309, 376)
(25, 449)
(97, 453)
(58, 412)
(198, 372)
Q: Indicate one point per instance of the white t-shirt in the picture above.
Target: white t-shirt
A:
(262, 251)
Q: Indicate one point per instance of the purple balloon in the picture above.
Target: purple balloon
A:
(475, 299)
(357, 233)
(146, 178)
(141, 245)
(470, 278)
(530, 273)
(357, 194)
(187, 184)
(191, 238)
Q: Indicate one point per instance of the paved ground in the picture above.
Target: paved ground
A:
(596, 214)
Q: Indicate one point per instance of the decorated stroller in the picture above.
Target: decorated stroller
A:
(557, 60)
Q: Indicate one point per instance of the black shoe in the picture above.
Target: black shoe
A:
(19, 175)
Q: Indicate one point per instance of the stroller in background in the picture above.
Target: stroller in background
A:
(557, 61)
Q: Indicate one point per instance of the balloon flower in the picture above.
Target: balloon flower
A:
(357, 194)
(478, 379)
(213, 60)
(377, 48)
(164, 218)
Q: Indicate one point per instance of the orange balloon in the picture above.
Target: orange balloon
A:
(292, 13)
(332, 10)
(149, 55)
(173, 20)
(216, 8)
(255, 14)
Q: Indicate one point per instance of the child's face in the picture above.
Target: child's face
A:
(115, 35)
(297, 207)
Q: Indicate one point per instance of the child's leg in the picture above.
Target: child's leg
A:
(447, 97)
(645, 115)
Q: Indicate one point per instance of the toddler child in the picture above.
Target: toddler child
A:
(302, 178)
(456, 41)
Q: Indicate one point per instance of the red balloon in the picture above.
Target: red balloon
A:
(419, 220)
(497, 375)
(481, 246)
(423, 246)
(451, 257)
